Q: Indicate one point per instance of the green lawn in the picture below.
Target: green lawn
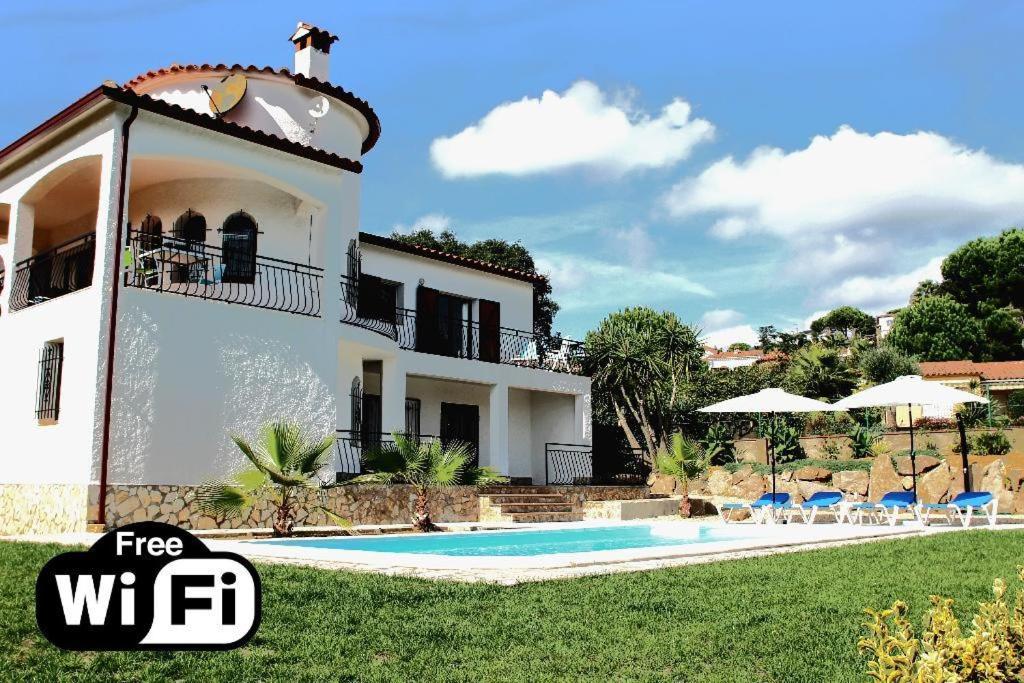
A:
(787, 618)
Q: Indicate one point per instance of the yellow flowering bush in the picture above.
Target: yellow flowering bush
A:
(993, 650)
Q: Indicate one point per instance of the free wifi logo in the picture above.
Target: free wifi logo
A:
(148, 586)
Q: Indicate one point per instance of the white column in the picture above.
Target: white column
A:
(392, 396)
(497, 442)
(581, 419)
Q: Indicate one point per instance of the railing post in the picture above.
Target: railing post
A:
(547, 455)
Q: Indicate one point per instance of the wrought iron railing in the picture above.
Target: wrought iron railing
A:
(378, 319)
(51, 364)
(53, 273)
(190, 268)
(349, 447)
(569, 464)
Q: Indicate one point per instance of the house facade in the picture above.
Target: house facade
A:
(180, 259)
(998, 381)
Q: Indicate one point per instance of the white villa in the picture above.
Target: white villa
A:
(180, 258)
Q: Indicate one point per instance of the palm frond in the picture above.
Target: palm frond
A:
(375, 478)
(336, 518)
(482, 476)
(312, 457)
(446, 464)
(219, 497)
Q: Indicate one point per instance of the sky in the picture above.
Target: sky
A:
(738, 163)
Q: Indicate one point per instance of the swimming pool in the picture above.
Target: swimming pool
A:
(523, 543)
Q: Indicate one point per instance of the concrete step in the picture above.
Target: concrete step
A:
(514, 498)
(491, 490)
(515, 508)
(534, 517)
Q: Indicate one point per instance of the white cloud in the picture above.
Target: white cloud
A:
(855, 184)
(728, 335)
(719, 318)
(882, 293)
(437, 222)
(584, 283)
(635, 244)
(581, 127)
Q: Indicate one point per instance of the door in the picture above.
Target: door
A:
(239, 248)
(412, 417)
(490, 331)
(461, 422)
(371, 420)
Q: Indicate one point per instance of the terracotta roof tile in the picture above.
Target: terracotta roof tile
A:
(427, 252)
(997, 370)
(337, 92)
(260, 137)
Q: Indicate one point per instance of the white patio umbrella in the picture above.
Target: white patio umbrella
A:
(770, 401)
(910, 391)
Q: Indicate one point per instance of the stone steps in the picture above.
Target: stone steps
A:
(516, 508)
(536, 517)
(516, 498)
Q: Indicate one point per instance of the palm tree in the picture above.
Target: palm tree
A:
(685, 461)
(424, 466)
(282, 461)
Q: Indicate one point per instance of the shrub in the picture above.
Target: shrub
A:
(831, 449)
(863, 464)
(823, 424)
(718, 444)
(990, 443)
(862, 439)
(784, 437)
(991, 650)
(934, 423)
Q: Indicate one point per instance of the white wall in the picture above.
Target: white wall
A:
(283, 220)
(189, 372)
(432, 393)
(520, 434)
(515, 296)
(275, 105)
(553, 419)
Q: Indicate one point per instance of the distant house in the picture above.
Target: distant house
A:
(728, 360)
(883, 324)
(994, 380)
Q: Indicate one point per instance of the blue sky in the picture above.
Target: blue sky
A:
(739, 163)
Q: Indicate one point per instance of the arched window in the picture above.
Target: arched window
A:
(151, 232)
(189, 233)
(239, 243)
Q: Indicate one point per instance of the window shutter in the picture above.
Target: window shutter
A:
(490, 331)
(427, 324)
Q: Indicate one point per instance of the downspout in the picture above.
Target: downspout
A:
(112, 325)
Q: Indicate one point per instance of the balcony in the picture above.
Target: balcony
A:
(187, 267)
(55, 272)
(373, 309)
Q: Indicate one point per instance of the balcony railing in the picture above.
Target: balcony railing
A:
(569, 464)
(53, 273)
(349, 447)
(190, 268)
(457, 337)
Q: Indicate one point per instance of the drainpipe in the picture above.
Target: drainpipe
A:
(112, 324)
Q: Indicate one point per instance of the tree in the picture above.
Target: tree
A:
(684, 461)
(985, 274)
(771, 339)
(924, 289)
(425, 466)
(845, 322)
(283, 461)
(821, 373)
(499, 252)
(1003, 335)
(639, 361)
(885, 364)
(739, 346)
(936, 328)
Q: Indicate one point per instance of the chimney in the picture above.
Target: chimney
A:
(312, 51)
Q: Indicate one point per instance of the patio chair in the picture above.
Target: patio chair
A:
(963, 507)
(822, 500)
(888, 508)
(760, 510)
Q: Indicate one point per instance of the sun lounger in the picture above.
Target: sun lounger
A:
(963, 507)
(889, 508)
(822, 500)
(761, 510)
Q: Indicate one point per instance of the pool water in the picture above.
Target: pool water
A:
(521, 543)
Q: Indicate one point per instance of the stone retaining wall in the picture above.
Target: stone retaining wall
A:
(359, 504)
(42, 508)
(938, 481)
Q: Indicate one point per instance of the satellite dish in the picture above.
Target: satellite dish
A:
(226, 94)
(320, 107)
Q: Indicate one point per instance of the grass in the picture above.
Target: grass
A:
(792, 617)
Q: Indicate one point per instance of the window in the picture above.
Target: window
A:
(239, 242)
(51, 364)
(151, 232)
(377, 298)
(189, 239)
